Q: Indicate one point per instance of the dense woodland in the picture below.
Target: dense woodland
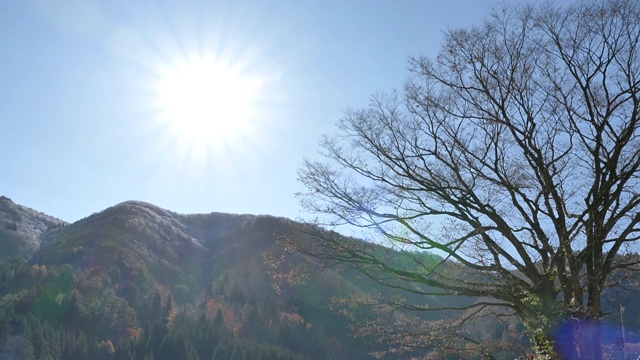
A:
(139, 282)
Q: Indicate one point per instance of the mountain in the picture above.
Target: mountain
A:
(22, 230)
(136, 281)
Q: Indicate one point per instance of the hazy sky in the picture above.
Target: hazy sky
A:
(97, 97)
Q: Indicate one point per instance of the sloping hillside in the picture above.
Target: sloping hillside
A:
(138, 279)
(22, 229)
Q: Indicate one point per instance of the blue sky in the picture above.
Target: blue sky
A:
(84, 126)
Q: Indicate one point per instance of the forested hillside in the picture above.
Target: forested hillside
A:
(139, 282)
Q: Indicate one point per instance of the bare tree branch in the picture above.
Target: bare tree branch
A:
(515, 154)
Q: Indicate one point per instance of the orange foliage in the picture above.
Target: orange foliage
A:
(108, 347)
(38, 271)
(172, 315)
(211, 308)
(229, 316)
(291, 319)
(134, 333)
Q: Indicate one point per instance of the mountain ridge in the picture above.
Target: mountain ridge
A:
(23, 229)
(137, 281)
(129, 267)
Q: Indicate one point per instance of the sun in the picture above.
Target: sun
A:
(205, 103)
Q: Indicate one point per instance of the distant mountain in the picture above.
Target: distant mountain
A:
(22, 230)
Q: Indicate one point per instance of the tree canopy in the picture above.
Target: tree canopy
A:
(515, 153)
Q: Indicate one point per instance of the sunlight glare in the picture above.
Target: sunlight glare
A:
(205, 103)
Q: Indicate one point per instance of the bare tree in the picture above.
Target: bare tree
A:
(515, 153)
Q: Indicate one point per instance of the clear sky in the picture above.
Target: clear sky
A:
(195, 106)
